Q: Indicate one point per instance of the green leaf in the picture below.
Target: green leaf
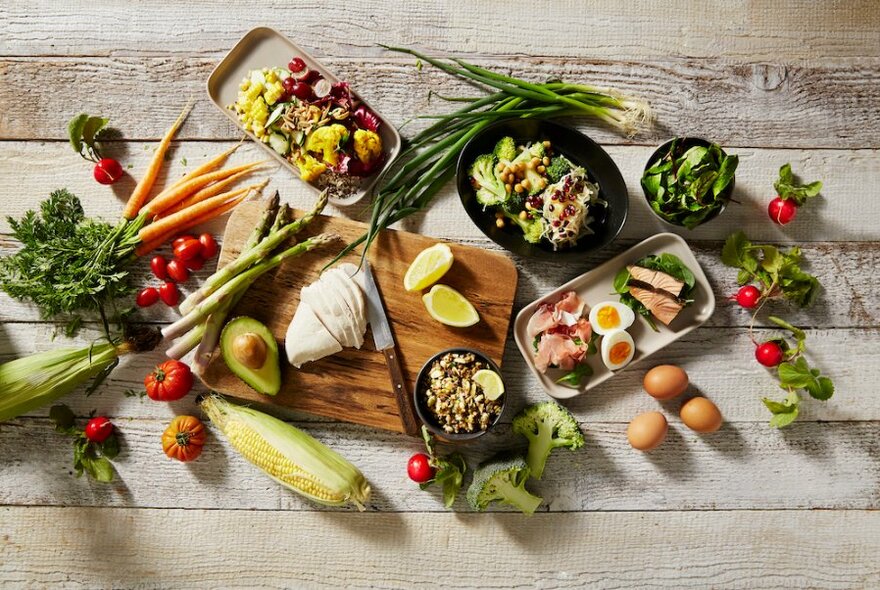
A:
(75, 131)
(110, 447)
(725, 174)
(63, 417)
(734, 249)
(91, 129)
(799, 334)
(784, 412)
(787, 187)
(772, 260)
(574, 377)
(99, 468)
(822, 388)
(621, 280)
(796, 375)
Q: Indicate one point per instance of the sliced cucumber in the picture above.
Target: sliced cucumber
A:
(276, 114)
(299, 137)
(280, 143)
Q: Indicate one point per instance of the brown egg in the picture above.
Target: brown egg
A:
(647, 431)
(665, 382)
(701, 415)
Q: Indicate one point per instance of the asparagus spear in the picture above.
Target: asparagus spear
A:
(250, 257)
(213, 327)
(261, 229)
(186, 343)
(241, 281)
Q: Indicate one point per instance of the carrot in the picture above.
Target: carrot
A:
(158, 242)
(202, 194)
(145, 185)
(173, 195)
(180, 218)
(208, 166)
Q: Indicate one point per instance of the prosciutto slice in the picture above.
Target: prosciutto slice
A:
(558, 350)
(557, 326)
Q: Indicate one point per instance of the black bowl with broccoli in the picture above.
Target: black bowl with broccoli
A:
(541, 189)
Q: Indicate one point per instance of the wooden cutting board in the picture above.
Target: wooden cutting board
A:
(354, 385)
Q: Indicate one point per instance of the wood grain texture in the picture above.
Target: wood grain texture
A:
(743, 466)
(608, 29)
(770, 104)
(604, 550)
(354, 385)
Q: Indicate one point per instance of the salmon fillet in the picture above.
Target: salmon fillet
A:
(662, 306)
(657, 279)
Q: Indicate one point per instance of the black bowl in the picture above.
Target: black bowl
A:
(424, 413)
(686, 143)
(578, 148)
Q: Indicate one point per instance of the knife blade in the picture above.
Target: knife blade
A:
(383, 338)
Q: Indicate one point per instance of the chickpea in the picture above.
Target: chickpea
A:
(546, 144)
(518, 187)
(523, 215)
(499, 167)
(508, 187)
(542, 169)
(535, 161)
(531, 165)
(525, 183)
(546, 161)
(499, 223)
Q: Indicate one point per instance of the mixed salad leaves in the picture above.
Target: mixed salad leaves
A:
(688, 186)
(543, 194)
(319, 126)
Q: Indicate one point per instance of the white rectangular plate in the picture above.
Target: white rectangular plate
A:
(265, 47)
(595, 287)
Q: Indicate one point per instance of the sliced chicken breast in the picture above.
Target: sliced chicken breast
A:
(307, 338)
(328, 310)
(335, 294)
(352, 297)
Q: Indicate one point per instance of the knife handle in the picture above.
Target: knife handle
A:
(398, 383)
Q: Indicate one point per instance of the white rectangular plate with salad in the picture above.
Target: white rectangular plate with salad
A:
(303, 115)
(615, 315)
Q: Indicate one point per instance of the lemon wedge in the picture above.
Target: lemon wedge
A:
(428, 267)
(490, 382)
(448, 306)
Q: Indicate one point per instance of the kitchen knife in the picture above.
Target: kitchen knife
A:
(384, 341)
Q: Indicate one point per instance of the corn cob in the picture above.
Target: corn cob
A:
(288, 455)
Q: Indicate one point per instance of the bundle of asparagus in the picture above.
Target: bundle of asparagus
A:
(204, 311)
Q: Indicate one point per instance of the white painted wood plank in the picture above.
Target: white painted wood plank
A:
(608, 29)
(743, 466)
(132, 548)
(781, 104)
(720, 363)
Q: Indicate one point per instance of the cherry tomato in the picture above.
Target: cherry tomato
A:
(157, 265)
(169, 381)
(194, 263)
(188, 249)
(209, 246)
(181, 239)
(177, 271)
(147, 297)
(107, 171)
(782, 211)
(748, 296)
(769, 354)
(419, 468)
(169, 294)
(98, 429)
(296, 65)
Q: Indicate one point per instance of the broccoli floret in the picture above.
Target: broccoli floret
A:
(559, 167)
(502, 479)
(505, 149)
(547, 426)
(533, 229)
(537, 150)
(490, 189)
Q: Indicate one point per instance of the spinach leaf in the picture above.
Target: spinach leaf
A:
(574, 377)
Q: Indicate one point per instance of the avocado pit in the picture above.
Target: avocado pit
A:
(250, 349)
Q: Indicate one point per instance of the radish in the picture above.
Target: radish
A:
(781, 210)
(108, 171)
(769, 354)
(748, 296)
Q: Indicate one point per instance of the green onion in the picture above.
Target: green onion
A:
(428, 161)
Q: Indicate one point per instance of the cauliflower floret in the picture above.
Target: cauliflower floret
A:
(309, 168)
(328, 141)
(367, 145)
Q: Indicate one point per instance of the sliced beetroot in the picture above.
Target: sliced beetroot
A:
(366, 119)
(359, 169)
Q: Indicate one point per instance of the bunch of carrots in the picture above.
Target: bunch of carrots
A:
(197, 197)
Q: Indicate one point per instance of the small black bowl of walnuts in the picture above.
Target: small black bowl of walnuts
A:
(459, 394)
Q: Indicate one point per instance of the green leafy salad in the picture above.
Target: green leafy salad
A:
(543, 194)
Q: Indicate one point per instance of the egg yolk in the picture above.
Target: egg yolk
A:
(608, 317)
(619, 352)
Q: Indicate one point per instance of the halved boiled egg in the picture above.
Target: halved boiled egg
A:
(617, 349)
(608, 316)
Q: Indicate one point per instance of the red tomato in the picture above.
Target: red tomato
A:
(419, 468)
(179, 240)
(782, 211)
(169, 294)
(98, 429)
(194, 263)
(187, 249)
(769, 354)
(157, 265)
(209, 246)
(177, 271)
(147, 297)
(169, 381)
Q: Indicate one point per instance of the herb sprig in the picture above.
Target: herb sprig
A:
(449, 470)
(88, 456)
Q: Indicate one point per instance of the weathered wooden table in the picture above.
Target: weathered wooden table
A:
(749, 506)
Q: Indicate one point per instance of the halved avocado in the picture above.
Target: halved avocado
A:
(250, 351)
